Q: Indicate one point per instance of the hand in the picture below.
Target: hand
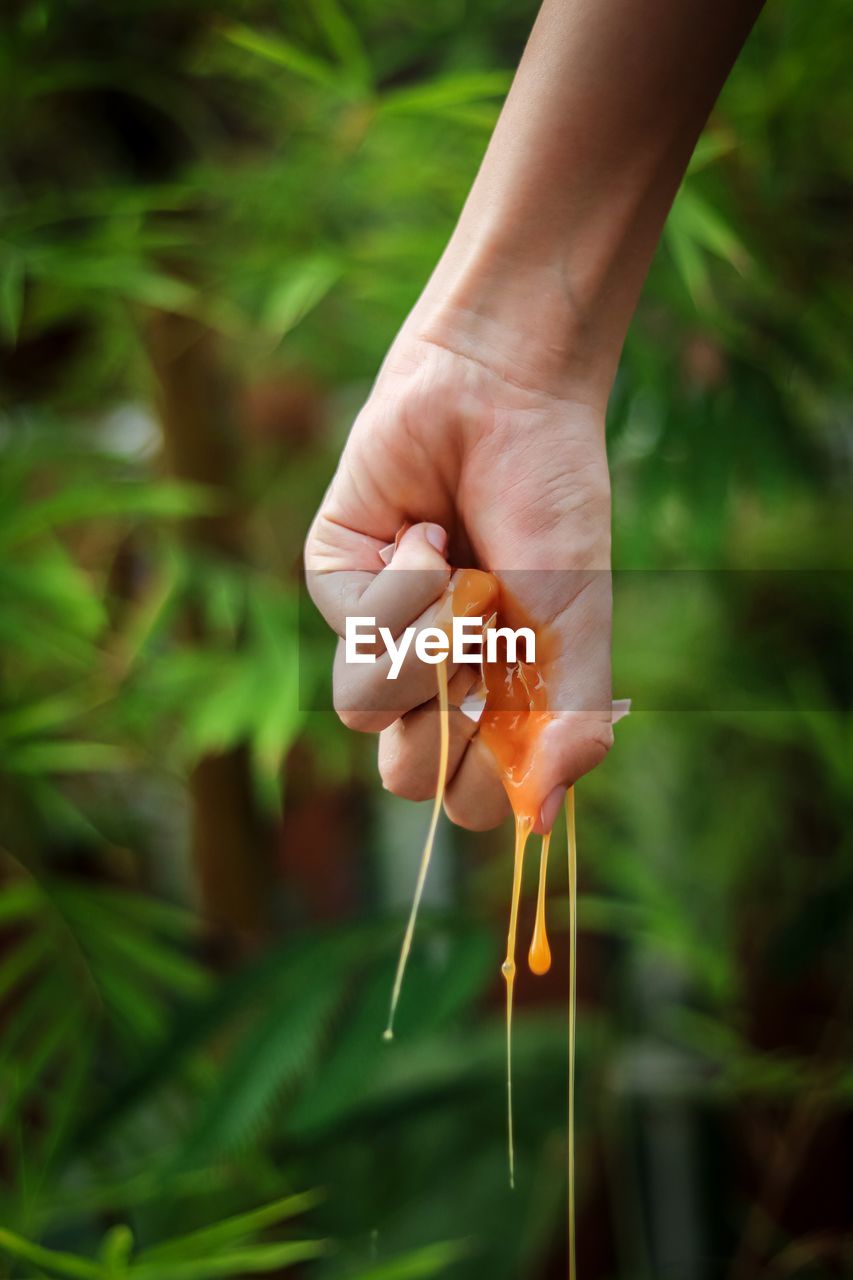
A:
(496, 471)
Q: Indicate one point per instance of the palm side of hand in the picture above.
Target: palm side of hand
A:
(518, 478)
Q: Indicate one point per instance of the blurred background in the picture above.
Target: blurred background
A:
(213, 221)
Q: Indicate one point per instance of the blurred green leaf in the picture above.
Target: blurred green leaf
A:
(459, 90)
(297, 292)
(699, 221)
(230, 1231)
(156, 961)
(283, 53)
(44, 757)
(432, 1260)
(128, 500)
(116, 1249)
(49, 1260)
(250, 1260)
(344, 40)
(22, 961)
(22, 1074)
(712, 146)
(127, 276)
(12, 282)
(270, 1057)
(19, 899)
(689, 263)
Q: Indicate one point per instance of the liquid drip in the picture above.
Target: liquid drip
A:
(573, 951)
(539, 956)
(443, 753)
(471, 595)
(522, 831)
(515, 714)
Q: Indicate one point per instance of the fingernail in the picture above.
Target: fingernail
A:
(436, 537)
(551, 807)
(386, 554)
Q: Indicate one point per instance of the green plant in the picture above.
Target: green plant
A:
(211, 227)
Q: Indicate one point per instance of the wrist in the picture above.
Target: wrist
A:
(522, 312)
(546, 270)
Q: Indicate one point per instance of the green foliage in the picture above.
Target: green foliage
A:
(219, 1250)
(284, 178)
(86, 959)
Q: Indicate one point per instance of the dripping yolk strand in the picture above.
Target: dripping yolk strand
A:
(514, 714)
(475, 592)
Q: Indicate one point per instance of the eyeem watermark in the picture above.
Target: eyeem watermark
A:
(467, 642)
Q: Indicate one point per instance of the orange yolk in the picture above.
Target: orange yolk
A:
(516, 709)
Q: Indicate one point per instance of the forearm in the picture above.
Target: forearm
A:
(556, 237)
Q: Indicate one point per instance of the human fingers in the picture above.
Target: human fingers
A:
(370, 695)
(476, 799)
(409, 748)
(408, 756)
(577, 674)
(393, 592)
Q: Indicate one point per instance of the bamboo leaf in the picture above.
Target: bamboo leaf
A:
(44, 1005)
(140, 1012)
(279, 715)
(19, 900)
(124, 1194)
(450, 91)
(153, 611)
(99, 270)
(12, 282)
(28, 1067)
(137, 951)
(63, 1102)
(22, 960)
(298, 292)
(97, 501)
(140, 908)
(283, 53)
(60, 814)
(269, 1058)
(429, 1261)
(701, 221)
(46, 713)
(712, 146)
(255, 984)
(688, 262)
(251, 1260)
(50, 1260)
(72, 756)
(116, 1249)
(231, 1230)
(51, 593)
(344, 40)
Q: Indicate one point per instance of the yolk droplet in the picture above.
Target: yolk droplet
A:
(539, 957)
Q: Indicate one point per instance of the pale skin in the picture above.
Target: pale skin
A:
(485, 428)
